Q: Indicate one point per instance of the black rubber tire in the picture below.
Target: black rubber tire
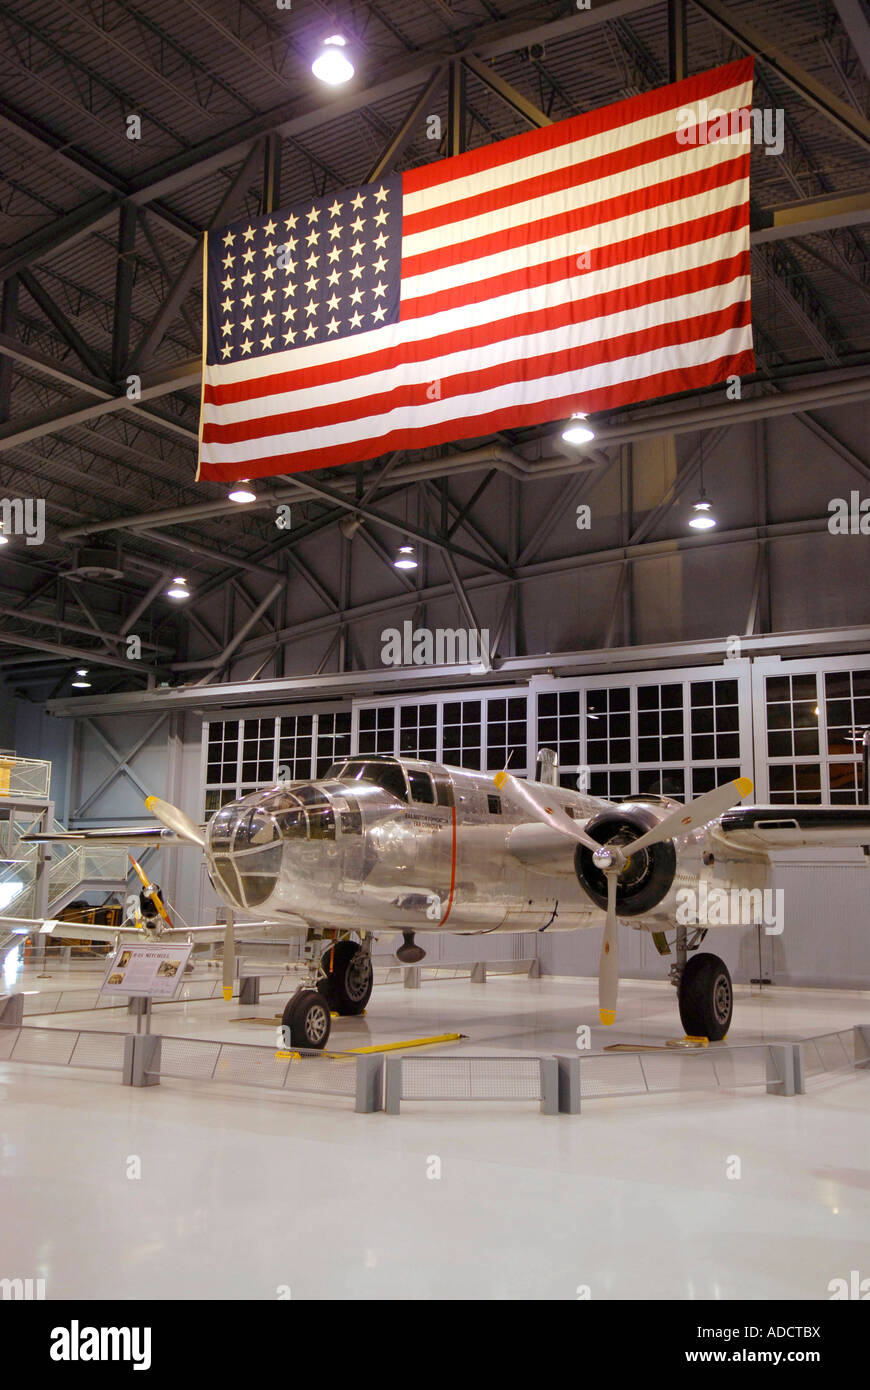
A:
(706, 997)
(348, 985)
(306, 1022)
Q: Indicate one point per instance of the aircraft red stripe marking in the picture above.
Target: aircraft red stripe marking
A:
(452, 870)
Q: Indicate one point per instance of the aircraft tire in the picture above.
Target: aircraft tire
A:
(306, 1019)
(706, 997)
(348, 985)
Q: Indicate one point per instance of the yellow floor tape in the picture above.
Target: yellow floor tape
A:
(380, 1047)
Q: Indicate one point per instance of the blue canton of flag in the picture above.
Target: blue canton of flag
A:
(325, 269)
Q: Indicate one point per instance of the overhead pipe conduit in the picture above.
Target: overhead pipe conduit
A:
(513, 464)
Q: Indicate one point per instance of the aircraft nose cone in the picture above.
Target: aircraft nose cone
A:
(244, 851)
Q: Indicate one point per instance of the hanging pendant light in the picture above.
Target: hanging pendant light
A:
(332, 64)
(702, 518)
(576, 432)
(242, 491)
(406, 558)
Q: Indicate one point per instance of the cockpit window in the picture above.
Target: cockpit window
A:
(322, 823)
(293, 825)
(388, 776)
(256, 829)
(421, 787)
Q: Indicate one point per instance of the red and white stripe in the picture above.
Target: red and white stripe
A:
(495, 309)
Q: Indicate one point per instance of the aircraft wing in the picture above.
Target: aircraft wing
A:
(107, 835)
(791, 827)
(130, 935)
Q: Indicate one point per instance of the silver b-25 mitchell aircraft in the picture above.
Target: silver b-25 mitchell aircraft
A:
(385, 844)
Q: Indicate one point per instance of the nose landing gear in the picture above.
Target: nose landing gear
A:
(349, 978)
(339, 982)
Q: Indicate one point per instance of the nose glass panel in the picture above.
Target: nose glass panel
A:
(258, 871)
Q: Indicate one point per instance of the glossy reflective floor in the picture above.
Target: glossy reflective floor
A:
(246, 1194)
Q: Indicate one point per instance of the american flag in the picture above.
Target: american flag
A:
(584, 266)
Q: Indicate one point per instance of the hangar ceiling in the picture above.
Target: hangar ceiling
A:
(100, 263)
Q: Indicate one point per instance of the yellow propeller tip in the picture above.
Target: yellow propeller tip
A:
(500, 779)
(743, 785)
(607, 1017)
(150, 801)
(228, 994)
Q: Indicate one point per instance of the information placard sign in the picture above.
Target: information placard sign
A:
(153, 971)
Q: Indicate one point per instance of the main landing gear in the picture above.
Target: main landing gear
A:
(340, 982)
(704, 991)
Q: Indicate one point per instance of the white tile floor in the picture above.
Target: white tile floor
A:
(242, 1191)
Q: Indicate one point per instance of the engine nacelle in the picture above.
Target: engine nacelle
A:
(647, 877)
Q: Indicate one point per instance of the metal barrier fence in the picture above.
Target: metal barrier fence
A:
(85, 1000)
(840, 1051)
(252, 1064)
(64, 1047)
(559, 1084)
(472, 1078)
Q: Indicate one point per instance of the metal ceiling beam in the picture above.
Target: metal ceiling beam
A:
(291, 119)
(259, 612)
(124, 276)
(677, 46)
(649, 551)
(26, 615)
(811, 217)
(848, 121)
(857, 26)
(405, 131)
(161, 383)
(171, 306)
(61, 323)
(95, 658)
(512, 670)
(14, 350)
(397, 524)
(8, 328)
(76, 162)
(508, 94)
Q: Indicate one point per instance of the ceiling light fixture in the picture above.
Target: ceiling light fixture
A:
(702, 518)
(405, 558)
(82, 682)
(332, 65)
(575, 432)
(178, 589)
(241, 492)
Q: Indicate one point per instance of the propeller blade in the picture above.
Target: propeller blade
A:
(229, 956)
(608, 967)
(175, 820)
(537, 799)
(698, 812)
(150, 890)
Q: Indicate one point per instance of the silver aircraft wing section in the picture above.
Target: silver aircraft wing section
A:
(791, 827)
(107, 835)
